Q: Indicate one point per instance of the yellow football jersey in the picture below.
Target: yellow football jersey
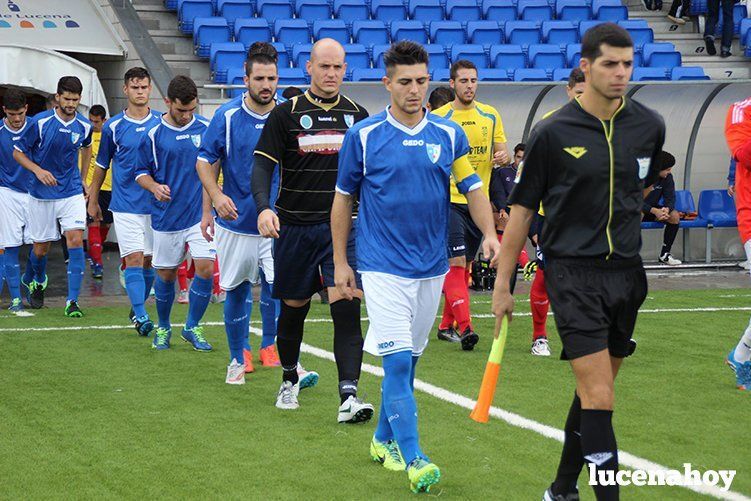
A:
(484, 128)
(96, 138)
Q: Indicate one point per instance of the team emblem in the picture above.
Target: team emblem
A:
(576, 151)
(434, 151)
(349, 120)
(196, 138)
(306, 122)
(644, 164)
(74, 137)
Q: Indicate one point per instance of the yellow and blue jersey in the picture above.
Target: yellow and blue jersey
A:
(96, 139)
(484, 129)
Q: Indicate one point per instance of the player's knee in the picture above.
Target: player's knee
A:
(599, 396)
(41, 249)
(135, 260)
(74, 238)
(291, 321)
(204, 268)
(167, 275)
(346, 317)
(296, 303)
(398, 366)
(675, 218)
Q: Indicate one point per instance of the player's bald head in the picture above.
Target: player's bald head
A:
(327, 48)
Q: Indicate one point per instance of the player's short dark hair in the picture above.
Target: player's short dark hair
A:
(263, 48)
(51, 99)
(258, 58)
(291, 92)
(519, 147)
(576, 77)
(404, 53)
(461, 64)
(667, 160)
(98, 111)
(136, 73)
(69, 84)
(14, 99)
(606, 33)
(440, 96)
(182, 88)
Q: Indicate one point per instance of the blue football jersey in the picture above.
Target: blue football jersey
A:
(401, 176)
(231, 138)
(53, 145)
(118, 149)
(169, 154)
(12, 175)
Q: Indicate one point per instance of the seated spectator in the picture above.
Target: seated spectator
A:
(713, 17)
(659, 205)
(440, 97)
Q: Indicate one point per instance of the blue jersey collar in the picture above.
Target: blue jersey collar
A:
(414, 130)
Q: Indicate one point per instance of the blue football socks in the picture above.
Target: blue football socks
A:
(165, 295)
(269, 313)
(76, 267)
(12, 272)
(200, 295)
(148, 281)
(39, 265)
(236, 320)
(134, 286)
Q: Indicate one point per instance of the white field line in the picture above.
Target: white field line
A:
(511, 418)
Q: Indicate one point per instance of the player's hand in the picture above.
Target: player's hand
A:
(46, 178)
(491, 248)
(94, 210)
(268, 224)
(731, 190)
(225, 207)
(503, 303)
(162, 193)
(207, 226)
(344, 278)
(85, 191)
(501, 157)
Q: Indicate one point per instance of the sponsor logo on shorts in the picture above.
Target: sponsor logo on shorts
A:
(386, 345)
(79, 222)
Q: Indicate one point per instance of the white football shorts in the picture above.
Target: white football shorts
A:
(44, 216)
(170, 248)
(134, 233)
(241, 257)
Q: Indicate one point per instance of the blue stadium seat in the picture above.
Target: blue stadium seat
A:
(573, 54)
(291, 32)
(641, 36)
(484, 32)
(649, 74)
(292, 76)
(463, 10)
(437, 55)
(208, 30)
(331, 28)
(546, 57)
(661, 55)
(446, 32)
(350, 11)
(368, 74)
(507, 57)
(573, 10)
(252, 30)
(224, 56)
(718, 208)
(559, 32)
(745, 29)
(235, 77)
(499, 10)
(188, 10)
(426, 11)
(534, 10)
(698, 8)
(377, 52)
(684, 202)
(388, 10)
(284, 61)
(494, 75)
(638, 60)
(301, 54)
(274, 9)
(585, 25)
(370, 32)
(356, 56)
(688, 73)
(522, 33)
(474, 53)
(609, 10)
(739, 12)
(409, 30)
(170, 5)
(441, 75)
(561, 74)
(232, 10)
(531, 75)
(313, 10)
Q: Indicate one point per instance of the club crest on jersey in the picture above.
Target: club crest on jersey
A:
(434, 151)
(74, 137)
(196, 138)
(306, 122)
(349, 120)
(644, 164)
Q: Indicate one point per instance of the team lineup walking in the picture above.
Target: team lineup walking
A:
(384, 211)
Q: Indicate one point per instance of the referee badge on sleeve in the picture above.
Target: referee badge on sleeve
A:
(434, 151)
(644, 164)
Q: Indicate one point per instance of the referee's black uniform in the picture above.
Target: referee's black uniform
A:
(589, 175)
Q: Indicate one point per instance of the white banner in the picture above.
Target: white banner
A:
(69, 26)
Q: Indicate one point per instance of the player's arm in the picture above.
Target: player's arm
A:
(85, 156)
(145, 172)
(224, 205)
(500, 148)
(21, 149)
(268, 152)
(160, 191)
(103, 161)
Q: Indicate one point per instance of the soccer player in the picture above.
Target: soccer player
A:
(440, 96)
(49, 149)
(98, 230)
(166, 168)
(738, 136)
(14, 193)
(409, 155)
(589, 162)
(230, 140)
(130, 205)
(303, 136)
(484, 129)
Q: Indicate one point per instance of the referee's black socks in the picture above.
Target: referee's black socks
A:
(347, 344)
(572, 458)
(600, 451)
(289, 337)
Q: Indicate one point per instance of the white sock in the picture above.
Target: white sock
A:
(743, 350)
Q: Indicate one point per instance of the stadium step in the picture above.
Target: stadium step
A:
(693, 44)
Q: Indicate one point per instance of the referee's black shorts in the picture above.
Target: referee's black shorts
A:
(464, 235)
(105, 197)
(304, 260)
(595, 303)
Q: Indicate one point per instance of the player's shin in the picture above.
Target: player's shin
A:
(13, 272)
(348, 343)
(457, 294)
(148, 281)
(572, 459)
(539, 304)
(95, 244)
(76, 267)
(600, 450)
(164, 293)
(401, 406)
(269, 314)
(289, 337)
(200, 295)
(236, 320)
(134, 286)
(39, 266)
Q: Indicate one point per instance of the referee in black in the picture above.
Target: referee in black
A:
(588, 163)
(303, 136)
